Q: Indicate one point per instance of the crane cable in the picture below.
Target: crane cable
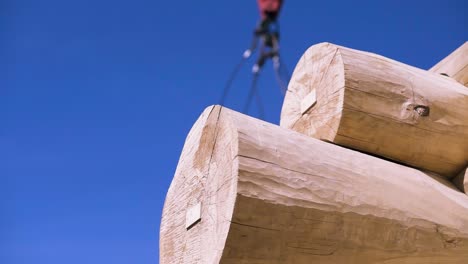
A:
(252, 93)
(231, 79)
(282, 82)
(278, 66)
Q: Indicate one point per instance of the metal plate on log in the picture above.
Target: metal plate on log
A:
(308, 101)
(192, 216)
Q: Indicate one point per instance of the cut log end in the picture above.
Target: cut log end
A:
(200, 200)
(317, 94)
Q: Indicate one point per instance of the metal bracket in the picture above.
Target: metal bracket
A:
(308, 101)
(193, 216)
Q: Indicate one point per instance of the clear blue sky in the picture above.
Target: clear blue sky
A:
(97, 96)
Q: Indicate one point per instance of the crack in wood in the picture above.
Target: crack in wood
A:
(284, 168)
(252, 226)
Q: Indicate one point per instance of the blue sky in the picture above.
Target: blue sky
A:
(96, 98)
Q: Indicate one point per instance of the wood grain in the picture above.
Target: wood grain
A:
(272, 195)
(380, 106)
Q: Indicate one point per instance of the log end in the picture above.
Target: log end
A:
(315, 92)
(200, 199)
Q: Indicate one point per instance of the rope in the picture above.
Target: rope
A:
(252, 91)
(261, 109)
(283, 84)
(230, 80)
(282, 77)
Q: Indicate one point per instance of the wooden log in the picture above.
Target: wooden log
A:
(380, 106)
(246, 191)
(455, 65)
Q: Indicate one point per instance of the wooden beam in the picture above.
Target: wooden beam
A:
(455, 65)
(380, 106)
(271, 195)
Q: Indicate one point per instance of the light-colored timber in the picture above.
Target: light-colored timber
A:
(377, 105)
(455, 65)
(272, 195)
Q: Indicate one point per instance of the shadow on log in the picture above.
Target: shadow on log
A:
(246, 191)
(377, 105)
(461, 180)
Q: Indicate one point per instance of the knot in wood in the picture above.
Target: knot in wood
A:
(422, 110)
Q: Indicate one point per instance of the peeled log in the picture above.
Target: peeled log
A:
(271, 195)
(455, 65)
(380, 106)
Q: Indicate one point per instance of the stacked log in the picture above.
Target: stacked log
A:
(360, 171)
(379, 106)
(271, 195)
